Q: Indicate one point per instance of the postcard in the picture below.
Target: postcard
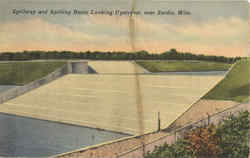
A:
(124, 79)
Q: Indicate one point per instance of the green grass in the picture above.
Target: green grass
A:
(183, 66)
(235, 86)
(20, 73)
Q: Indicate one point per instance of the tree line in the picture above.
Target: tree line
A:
(171, 54)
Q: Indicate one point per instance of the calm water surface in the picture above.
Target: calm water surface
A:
(209, 73)
(4, 88)
(25, 137)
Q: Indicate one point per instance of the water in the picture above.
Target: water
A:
(4, 88)
(200, 73)
(25, 137)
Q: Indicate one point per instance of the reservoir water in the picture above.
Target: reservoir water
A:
(4, 88)
(200, 73)
(25, 137)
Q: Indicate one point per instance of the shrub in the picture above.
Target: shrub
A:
(234, 136)
(230, 139)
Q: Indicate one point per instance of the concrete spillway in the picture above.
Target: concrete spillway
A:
(115, 67)
(110, 101)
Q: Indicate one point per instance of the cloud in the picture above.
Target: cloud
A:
(222, 36)
(35, 32)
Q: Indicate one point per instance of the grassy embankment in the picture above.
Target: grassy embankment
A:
(20, 73)
(183, 66)
(235, 86)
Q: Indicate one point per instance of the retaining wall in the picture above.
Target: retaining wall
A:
(69, 67)
(79, 67)
(139, 146)
(140, 151)
(113, 148)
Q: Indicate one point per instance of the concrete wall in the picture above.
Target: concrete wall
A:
(70, 67)
(132, 147)
(113, 149)
(216, 118)
(79, 67)
(14, 92)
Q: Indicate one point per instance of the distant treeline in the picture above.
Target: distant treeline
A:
(172, 54)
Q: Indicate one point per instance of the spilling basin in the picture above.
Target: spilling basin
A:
(25, 137)
(122, 103)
